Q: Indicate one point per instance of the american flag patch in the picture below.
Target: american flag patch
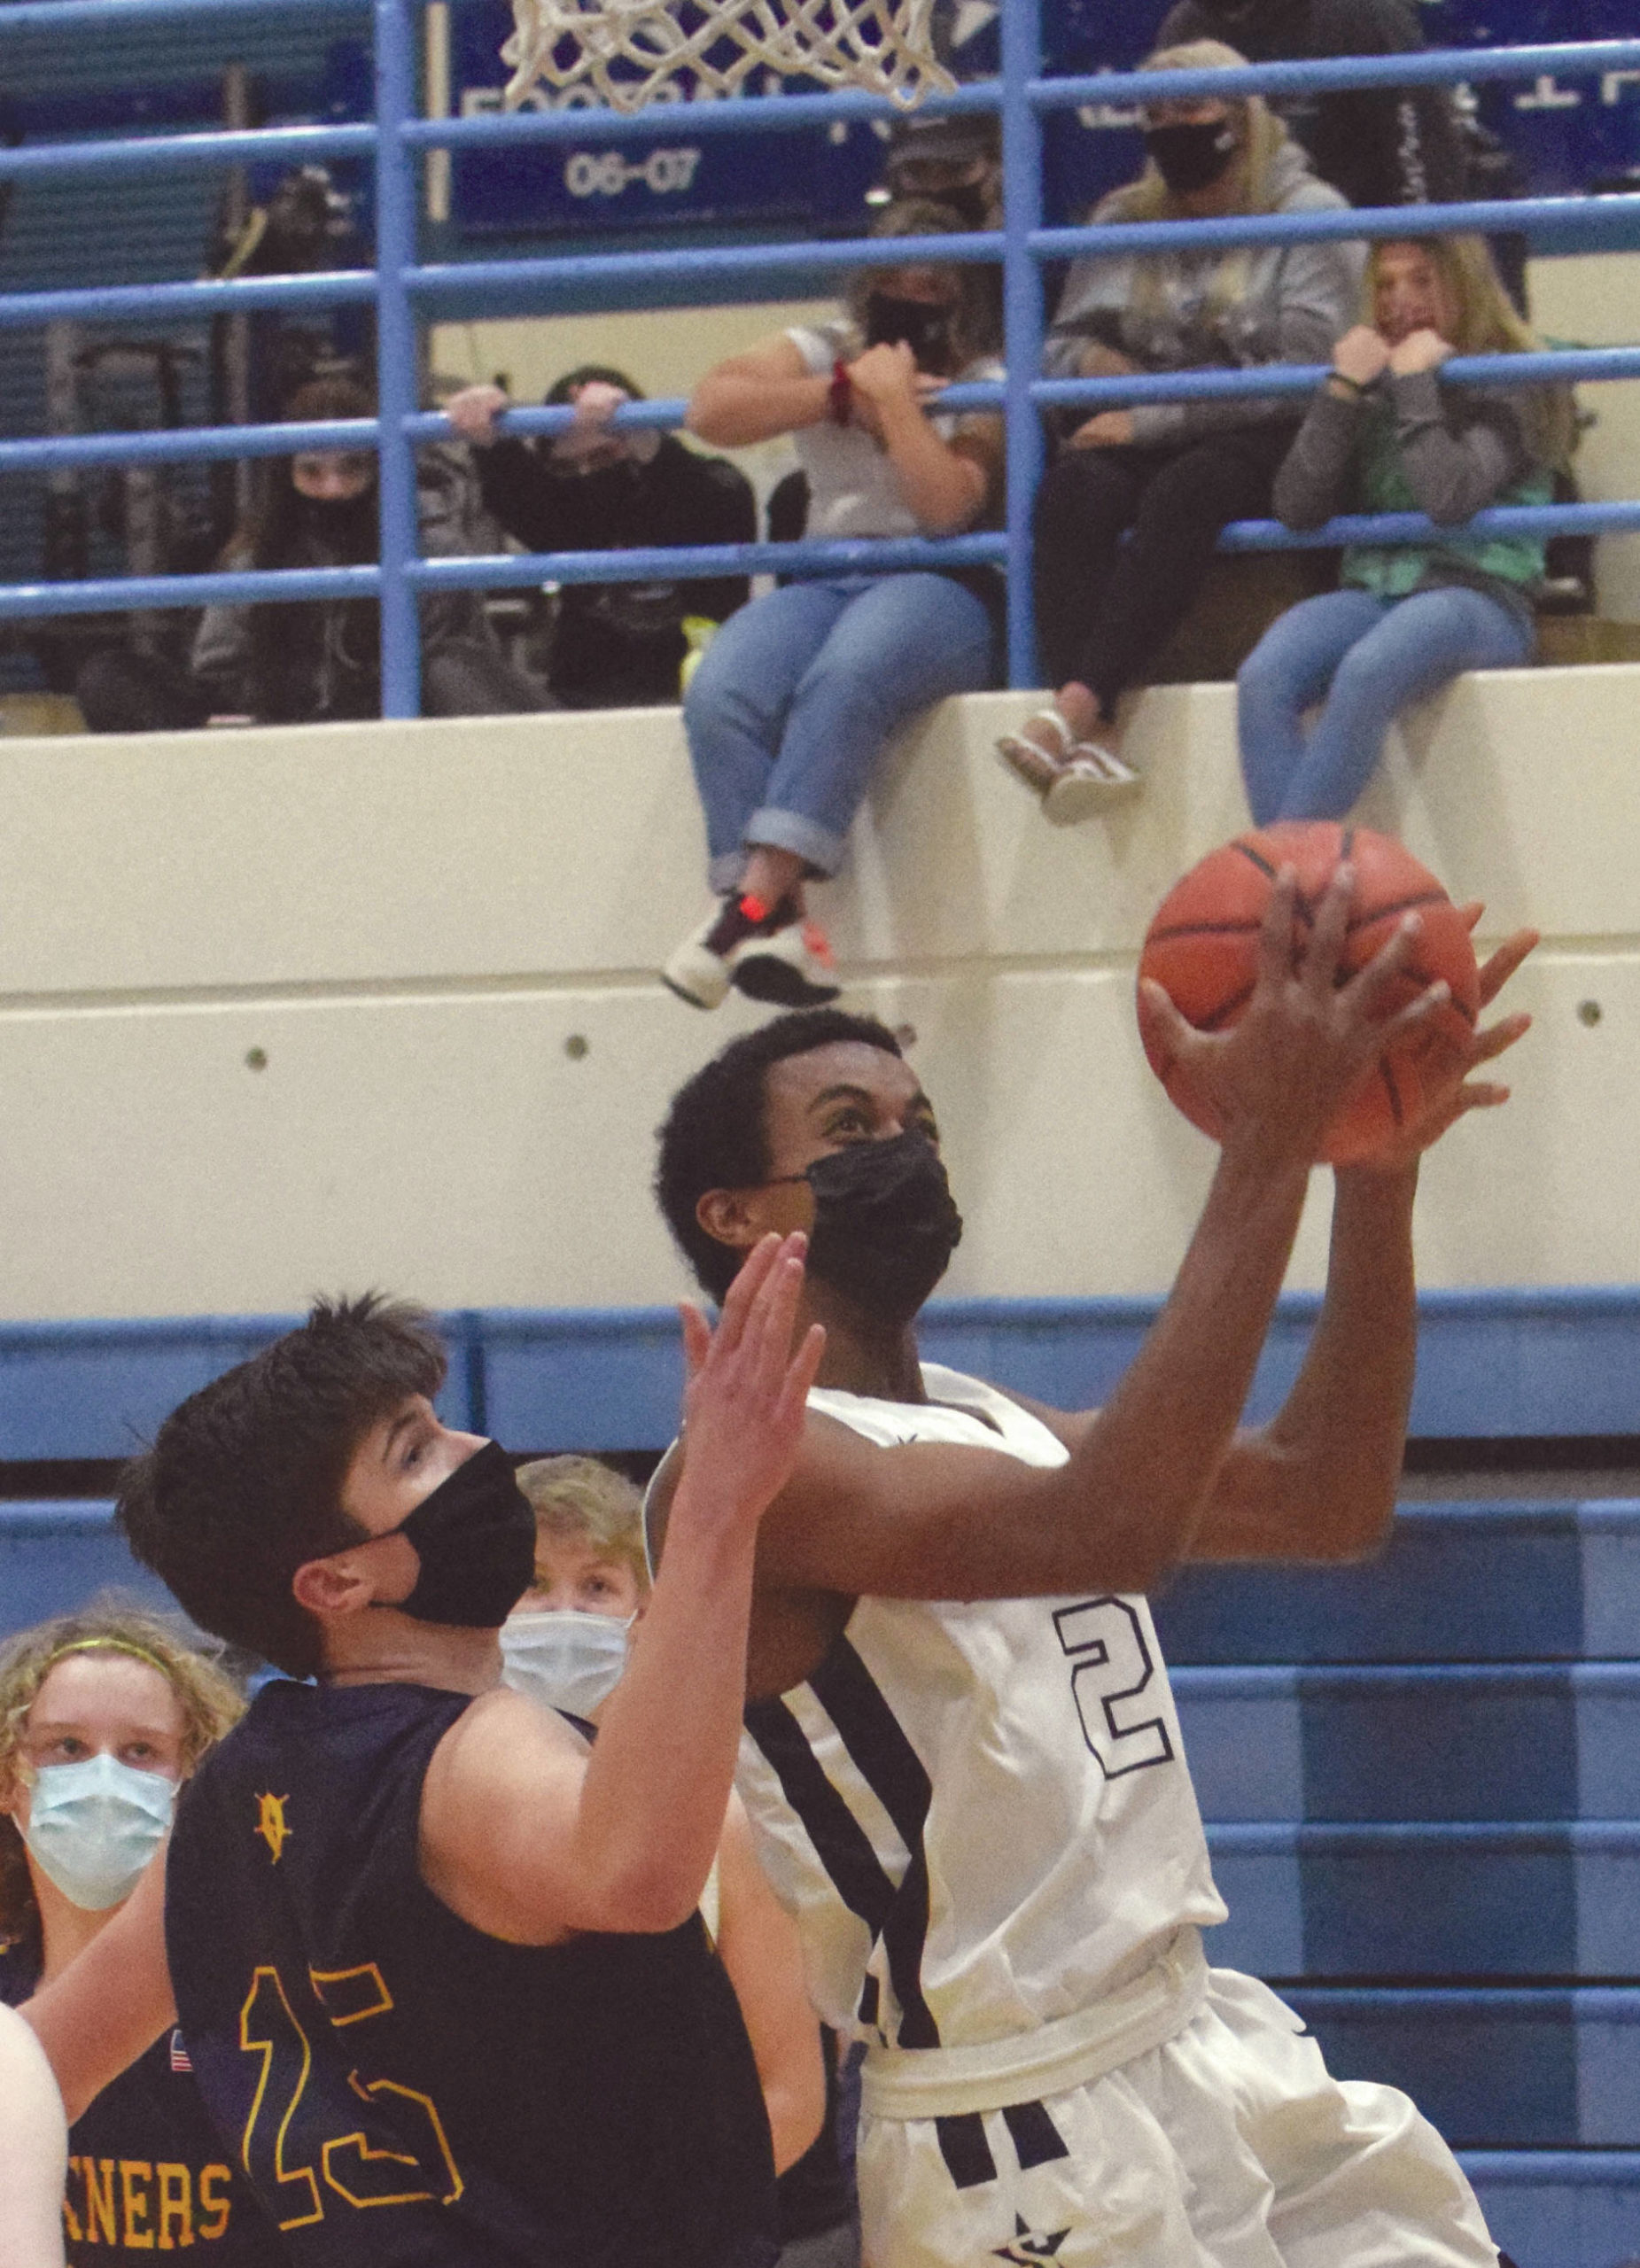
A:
(179, 2054)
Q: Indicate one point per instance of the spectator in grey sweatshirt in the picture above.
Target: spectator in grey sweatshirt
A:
(1173, 473)
(1385, 433)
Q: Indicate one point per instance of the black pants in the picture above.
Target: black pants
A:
(1104, 607)
(123, 689)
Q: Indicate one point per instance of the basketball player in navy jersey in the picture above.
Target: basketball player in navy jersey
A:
(439, 1967)
(979, 1813)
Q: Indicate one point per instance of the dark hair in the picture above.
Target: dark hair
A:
(716, 1137)
(271, 537)
(286, 642)
(590, 373)
(976, 308)
(243, 1483)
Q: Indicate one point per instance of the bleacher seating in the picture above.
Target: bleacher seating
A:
(1421, 1780)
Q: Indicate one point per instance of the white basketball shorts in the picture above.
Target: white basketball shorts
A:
(1228, 2146)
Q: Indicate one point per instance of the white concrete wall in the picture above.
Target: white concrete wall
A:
(282, 1011)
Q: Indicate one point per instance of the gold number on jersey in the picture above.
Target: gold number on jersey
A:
(364, 2166)
(269, 2026)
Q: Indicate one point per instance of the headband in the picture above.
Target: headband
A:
(111, 1645)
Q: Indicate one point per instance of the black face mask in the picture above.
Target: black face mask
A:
(475, 1536)
(348, 526)
(923, 327)
(885, 1224)
(1192, 157)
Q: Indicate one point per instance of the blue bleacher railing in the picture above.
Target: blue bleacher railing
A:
(406, 292)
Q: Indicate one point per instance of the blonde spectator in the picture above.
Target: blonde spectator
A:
(1167, 475)
(103, 1715)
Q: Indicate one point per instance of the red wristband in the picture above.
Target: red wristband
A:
(839, 401)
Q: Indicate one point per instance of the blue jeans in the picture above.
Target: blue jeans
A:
(796, 695)
(1369, 658)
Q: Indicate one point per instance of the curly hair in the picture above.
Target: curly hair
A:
(715, 1136)
(243, 1482)
(210, 1704)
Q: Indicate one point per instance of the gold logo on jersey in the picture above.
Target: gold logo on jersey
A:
(270, 1825)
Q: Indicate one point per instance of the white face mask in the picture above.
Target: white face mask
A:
(93, 1827)
(569, 1661)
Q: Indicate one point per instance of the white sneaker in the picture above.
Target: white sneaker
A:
(793, 969)
(1091, 782)
(697, 972)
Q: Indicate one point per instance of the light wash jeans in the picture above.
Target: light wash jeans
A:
(796, 695)
(1369, 658)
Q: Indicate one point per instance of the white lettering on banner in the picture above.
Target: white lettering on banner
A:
(478, 102)
(605, 173)
(1546, 95)
(1610, 82)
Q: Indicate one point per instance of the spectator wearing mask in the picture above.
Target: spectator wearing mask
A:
(566, 1644)
(1376, 145)
(1173, 473)
(102, 1714)
(1386, 434)
(314, 661)
(797, 697)
(957, 162)
(591, 488)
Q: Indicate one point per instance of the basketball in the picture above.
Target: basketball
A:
(1202, 948)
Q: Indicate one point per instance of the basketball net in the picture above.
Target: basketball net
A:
(628, 51)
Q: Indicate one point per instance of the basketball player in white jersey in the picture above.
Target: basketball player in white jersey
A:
(979, 1811)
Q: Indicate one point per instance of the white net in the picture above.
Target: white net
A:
(627, 51)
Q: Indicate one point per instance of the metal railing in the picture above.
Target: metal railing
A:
(406, 292)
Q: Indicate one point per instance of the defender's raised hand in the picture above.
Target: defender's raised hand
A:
(1446, 1062)
(744, 1403)
(1305, 1041)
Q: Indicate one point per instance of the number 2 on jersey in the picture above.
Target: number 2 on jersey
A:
(358, 2159)
(1105, 1641)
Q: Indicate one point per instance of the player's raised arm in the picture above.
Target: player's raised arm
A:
(1319, 1481)
(113, 2001)
(521, 1832)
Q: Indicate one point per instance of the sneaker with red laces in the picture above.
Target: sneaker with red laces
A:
(792, 968)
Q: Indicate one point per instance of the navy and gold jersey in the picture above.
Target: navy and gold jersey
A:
(147, 2171)
(403, 2088)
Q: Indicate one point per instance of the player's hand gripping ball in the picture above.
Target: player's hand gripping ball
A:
(1202, 949)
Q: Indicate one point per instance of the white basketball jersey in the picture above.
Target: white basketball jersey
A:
(980, 1816)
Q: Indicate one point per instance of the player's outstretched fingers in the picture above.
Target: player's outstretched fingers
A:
(1361, 996)
(1415, 1013)
(767, 1341)
(1275, 931)
(1319, 968)
(743, 1292)
(1494, 1038)
(801, 1372)
(1501, 966)
(1171, 1033)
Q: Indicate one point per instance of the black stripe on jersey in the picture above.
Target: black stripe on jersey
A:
(1036, 2139)
(895, 1776)
(966, 2153)
(842, 1845)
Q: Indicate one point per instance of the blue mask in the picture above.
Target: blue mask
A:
(93, 1827)
(569, 1661)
